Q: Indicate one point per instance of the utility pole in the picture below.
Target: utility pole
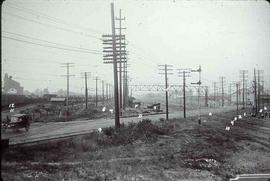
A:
(86, 74)
(103, 96)
(230, 93)
(67, 65)
(107, 95)
(222, 80)
(166, 85)
(199, 90)
(114, 54)
(122, 45)
(185, 73)
(243, 74)
(96, 79)
(125, 86)
(259, 87)
(237, 93)
(215, 92)
(255, 92)
(206, 96)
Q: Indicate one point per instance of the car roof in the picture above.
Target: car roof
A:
(19, 115)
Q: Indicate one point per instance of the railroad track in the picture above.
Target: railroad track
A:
(17, 140)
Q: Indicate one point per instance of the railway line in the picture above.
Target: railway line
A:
(42, 132)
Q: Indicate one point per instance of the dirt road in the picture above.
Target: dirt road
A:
(51, 130)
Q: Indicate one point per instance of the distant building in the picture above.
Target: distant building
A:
(12, 86)
(58, 101)
(49, 96)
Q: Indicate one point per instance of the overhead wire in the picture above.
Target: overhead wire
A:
(49, 46)
(50, 18)
(25, 36)
(56, 27)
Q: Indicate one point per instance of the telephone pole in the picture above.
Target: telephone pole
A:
(121, 66)
(243, 75)
(255, 92)
(166, 85)
(67, 65)
(215, 92)
(206, 96)
(114, 54)
(222, 80)
(103, 96)
(96, 79)
(259, 87)
(199, 70)
(230, 93)
(237, 93)
(86, 74)
(184, 73)
(107, 95)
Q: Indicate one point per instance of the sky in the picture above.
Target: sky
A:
(223, 37)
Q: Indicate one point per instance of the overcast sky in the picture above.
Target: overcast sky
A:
(221, 36)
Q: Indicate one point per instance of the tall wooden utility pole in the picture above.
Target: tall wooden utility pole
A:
(107, 95)
(206, 96)
(199, 70)
(222, 80)
(103, 96)
(120, 19)
(215, 92)
(255, 92)
(243, 76)
(116, 99)
(166, 85)
(68, 65)
(184, 73)
(259, 91)
(114, 54)
(85, 76)
(96, 79)
(230, 93)
(237, 93)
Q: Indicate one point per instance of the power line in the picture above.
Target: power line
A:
(52, 26)
(52, 19)
(29, 37)
(48, 46)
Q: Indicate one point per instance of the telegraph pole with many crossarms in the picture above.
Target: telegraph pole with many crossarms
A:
(114, 54)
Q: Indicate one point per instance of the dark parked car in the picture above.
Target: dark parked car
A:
(17, 121)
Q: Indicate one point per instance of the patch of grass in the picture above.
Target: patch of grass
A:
(144, 130)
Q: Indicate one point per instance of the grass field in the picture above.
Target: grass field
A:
(177, 149)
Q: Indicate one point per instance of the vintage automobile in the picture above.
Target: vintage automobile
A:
(17, 121)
